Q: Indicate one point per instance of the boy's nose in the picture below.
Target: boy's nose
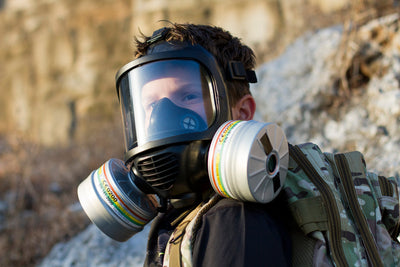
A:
(168, 117)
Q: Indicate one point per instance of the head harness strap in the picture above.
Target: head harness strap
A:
(236, 70)
(158, 35)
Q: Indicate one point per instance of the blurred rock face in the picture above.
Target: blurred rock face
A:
(58, 58)
(340, 93)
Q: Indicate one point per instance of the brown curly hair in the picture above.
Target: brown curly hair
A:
(219, 42)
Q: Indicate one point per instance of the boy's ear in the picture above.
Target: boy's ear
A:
(244, 108)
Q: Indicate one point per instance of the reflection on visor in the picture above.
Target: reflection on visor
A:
(165, 98)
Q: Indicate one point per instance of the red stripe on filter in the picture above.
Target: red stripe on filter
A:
(216, 150)
(137, 217)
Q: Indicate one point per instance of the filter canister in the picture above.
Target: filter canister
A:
(114, 203)
(248, 161)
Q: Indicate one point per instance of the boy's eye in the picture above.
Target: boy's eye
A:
(190, 97)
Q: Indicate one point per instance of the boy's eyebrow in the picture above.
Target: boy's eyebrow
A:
(189, 87)
(194, 85)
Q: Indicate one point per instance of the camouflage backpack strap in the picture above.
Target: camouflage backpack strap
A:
(179, 247)
(349, 180)
(378, 199)
(329, 202)
(387, 193)
(389, 204)
(386, 186)
(173, 250)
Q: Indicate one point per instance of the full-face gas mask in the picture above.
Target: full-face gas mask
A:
(180, 142)
(172, 103)
(171, 108)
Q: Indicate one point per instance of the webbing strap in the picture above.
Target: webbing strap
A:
(176, 241)
(386, 186)
(358, 215)
(328, 201)
(396, 231)
(310, 214)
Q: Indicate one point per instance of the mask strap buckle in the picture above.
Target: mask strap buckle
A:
(158, 35)
(237, 71)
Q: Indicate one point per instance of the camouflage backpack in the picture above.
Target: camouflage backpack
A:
(345, 216)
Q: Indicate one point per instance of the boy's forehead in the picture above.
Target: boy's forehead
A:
(163, 83)
(175, 67)
(179, 69)
(184, 80)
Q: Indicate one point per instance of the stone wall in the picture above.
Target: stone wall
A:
(58, 58)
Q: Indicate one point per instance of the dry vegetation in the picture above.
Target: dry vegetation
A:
(38, 184)
(38, 200)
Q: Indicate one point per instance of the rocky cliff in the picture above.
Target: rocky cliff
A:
(58, 58)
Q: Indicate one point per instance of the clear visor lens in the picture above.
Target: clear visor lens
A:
(163, 99)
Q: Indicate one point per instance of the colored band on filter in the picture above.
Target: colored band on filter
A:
(110, 195)
(105, 184)
(248, 160)
(114, 203)
(215, 149)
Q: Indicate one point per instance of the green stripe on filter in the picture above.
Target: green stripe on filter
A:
(239, 163)
(102, 184)
(217, 159)
(116, 205)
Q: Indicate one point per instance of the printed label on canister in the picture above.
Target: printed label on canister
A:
(217, 162)
(248, 160)
(101, 180)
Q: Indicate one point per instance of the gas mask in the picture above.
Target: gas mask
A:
(246, 161)
(180, 142)
(172, 102)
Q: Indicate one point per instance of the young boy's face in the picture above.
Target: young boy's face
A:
(166, 98)
(184, 90)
